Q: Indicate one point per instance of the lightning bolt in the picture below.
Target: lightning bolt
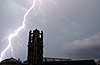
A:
(22, 26)
(16, 31)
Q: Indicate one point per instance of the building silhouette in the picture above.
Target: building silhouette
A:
(35, 54)
(11, 61)
(35, 48)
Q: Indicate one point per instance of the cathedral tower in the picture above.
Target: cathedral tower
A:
(35, 48)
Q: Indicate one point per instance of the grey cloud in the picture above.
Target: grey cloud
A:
(86, 48)
(71, 20)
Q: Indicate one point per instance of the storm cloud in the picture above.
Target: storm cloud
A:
(87, 48)
(73, 24)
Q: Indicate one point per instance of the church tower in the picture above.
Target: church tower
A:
(35, 48)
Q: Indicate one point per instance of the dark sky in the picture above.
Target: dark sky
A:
(71, 27)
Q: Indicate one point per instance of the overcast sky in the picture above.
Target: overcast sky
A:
(71, 27)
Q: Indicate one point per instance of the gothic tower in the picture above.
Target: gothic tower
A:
(35, 48)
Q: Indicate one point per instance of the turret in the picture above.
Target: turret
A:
(41, 35)
(29, 37)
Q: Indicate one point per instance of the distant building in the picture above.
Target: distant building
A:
(35, 54)
(11, 61)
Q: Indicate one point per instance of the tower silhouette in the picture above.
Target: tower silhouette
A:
(35, 48)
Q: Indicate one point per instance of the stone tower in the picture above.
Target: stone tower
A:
(35, 48)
